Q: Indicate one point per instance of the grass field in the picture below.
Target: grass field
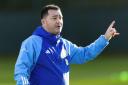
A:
(105, 70)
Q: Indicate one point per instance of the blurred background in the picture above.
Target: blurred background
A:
(84, 22)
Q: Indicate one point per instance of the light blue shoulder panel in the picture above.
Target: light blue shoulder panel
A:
(28, 55)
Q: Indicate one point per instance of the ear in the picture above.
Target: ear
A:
(42, 21)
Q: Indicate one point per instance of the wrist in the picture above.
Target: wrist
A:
(107, 37)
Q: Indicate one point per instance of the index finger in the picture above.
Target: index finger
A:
(112, 24)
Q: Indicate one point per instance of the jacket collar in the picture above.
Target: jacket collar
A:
(42, 33)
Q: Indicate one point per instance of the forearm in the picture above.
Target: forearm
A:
(97, 46)
(83, 54)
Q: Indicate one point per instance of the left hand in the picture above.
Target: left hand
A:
(111, 32)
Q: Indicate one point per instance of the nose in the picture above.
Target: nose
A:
(58, 21)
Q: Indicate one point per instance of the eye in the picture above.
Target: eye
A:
(61, 17)
(54, 18)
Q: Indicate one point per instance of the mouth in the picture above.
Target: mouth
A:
(59, 26)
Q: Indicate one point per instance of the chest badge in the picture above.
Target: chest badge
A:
(63, 53)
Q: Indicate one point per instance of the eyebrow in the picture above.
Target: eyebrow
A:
(56, 15)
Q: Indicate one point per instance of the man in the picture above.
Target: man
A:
(45, 56)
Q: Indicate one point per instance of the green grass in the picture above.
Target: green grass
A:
(7, 70)
(105, 70)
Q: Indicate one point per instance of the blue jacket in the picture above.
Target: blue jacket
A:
(44, 58)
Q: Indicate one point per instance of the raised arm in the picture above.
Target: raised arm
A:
(84, 54)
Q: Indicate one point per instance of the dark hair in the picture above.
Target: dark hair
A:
(44, 10)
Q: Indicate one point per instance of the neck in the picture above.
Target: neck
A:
(45, 28)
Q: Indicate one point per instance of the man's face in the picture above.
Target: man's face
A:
(53, 22)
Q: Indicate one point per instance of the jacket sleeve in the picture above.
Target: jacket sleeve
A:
(81, 55)
(26, 60)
